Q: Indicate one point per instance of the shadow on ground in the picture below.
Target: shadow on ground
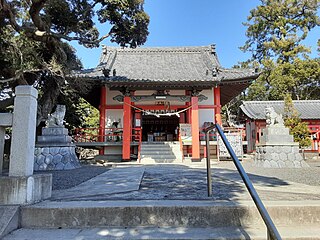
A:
(178, 182)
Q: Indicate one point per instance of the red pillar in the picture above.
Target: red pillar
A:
(217, 103)
(195, 129)
(102, 120)
(126, 128)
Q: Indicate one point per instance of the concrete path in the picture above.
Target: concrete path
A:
(158, 184)
(179, 182)
(231, 233)
(117, 180)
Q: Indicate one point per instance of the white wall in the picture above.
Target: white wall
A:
(110, 95)
(113, 115)
(150, 92)
(205, 115)
(209, 94)
(113, 150)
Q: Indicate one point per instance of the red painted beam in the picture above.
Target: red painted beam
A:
(160, 107)
(207, 106)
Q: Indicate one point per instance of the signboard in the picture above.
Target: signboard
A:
(185, 133)
(235, 140)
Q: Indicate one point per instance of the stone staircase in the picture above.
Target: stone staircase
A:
(171, 219)
(160, 152)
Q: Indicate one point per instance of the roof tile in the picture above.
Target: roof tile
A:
(164, 64)
(308, 109)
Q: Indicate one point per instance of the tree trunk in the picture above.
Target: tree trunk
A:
(47, 101)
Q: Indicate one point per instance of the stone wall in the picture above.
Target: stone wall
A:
(55, 158)
(279, 156)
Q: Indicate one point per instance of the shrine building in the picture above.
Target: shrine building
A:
(145, 94)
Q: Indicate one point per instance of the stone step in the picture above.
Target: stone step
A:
(159, 145)
(161, 152)
(166, 153)
(156, 148)
(9, 219)
(231, 233)
(173, 213)
(159, 156)
(157, 161)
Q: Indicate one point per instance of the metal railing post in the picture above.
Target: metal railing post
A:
(209, 177)
(272, 232)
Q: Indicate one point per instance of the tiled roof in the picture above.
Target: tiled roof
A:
(308, 109)
(164, 64)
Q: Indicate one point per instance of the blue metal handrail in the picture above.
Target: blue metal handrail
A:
(271, 229)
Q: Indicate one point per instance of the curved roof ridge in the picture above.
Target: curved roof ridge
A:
(280, 101)
(308, 109)
(236, 70)
(164, 49)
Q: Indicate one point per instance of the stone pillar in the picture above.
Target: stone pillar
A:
(21, 186)
(23, 132)
(195, 128)
(126, 128)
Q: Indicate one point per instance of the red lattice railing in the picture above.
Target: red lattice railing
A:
(104, 135)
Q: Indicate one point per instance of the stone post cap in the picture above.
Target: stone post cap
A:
(26, 90)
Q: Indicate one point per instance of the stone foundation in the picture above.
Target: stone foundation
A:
(55, 158)
(55, 151)
(279, 156)
(25, 190)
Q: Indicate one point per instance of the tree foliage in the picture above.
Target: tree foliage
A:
(276, 30)
(292, 120)
(34, 36)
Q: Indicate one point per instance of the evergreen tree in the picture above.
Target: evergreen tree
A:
(276, 30)
(292, 120)
(34, 36)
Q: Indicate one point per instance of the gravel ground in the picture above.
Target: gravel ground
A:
(183, 182)
(65, 179)
(309, 176)
(179, 182)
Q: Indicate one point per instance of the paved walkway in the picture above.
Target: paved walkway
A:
(136, 184)
(181, 182)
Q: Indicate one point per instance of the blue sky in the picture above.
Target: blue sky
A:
(195, 23)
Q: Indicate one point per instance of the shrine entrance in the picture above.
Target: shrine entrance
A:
(159, 129)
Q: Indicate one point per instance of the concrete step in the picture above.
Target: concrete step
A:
(157, 152)
(158, 145)
(157, 161)
(161, 152)
(173, 213)
(231, 233)
(171, 156)
(156, 149)
(161, 143)
(9, 219)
